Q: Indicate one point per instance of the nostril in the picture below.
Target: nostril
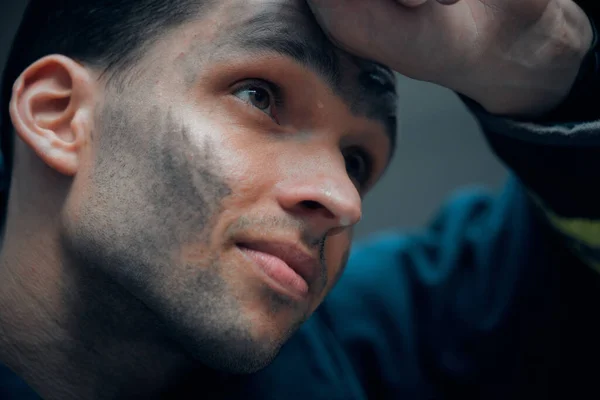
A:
(314, 207)
(311, 205)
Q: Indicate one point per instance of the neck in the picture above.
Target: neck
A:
(72, 333)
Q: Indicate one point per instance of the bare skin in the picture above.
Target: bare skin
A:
(123, 265)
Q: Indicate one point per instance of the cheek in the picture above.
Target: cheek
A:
(250, 163)
(336, 251)
(336, 255)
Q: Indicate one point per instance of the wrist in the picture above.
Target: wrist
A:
(536, 73)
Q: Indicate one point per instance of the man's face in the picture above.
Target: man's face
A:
(240, 136)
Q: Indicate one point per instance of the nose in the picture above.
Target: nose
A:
(327, 200)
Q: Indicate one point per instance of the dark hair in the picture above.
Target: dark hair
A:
(108, 34)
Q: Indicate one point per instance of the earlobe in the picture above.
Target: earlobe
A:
(51, 109)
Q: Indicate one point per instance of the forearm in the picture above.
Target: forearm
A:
(534, 74)
(556, 154)
(557, 157)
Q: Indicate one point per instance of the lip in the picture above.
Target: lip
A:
(287, 264)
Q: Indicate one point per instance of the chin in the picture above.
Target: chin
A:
(234, 348)
(239, 355)
(234, 327)
(247, 361)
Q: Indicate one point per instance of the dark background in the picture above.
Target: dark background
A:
(440, 149)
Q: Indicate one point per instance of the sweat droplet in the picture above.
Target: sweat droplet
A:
(320, 105)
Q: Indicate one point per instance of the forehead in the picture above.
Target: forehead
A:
(279, 14)
(288, 28)
(284, 26)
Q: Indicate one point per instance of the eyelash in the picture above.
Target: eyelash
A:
(274, 90)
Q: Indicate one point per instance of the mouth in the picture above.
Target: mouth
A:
(287, 268)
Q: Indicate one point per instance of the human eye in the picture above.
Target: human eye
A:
(263, 95)
(359, 165)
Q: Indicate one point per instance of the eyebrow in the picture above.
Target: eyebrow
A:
(275, 32)
(272, 32)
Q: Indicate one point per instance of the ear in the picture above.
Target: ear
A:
(52, 109)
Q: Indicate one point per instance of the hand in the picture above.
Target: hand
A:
(517, 57)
